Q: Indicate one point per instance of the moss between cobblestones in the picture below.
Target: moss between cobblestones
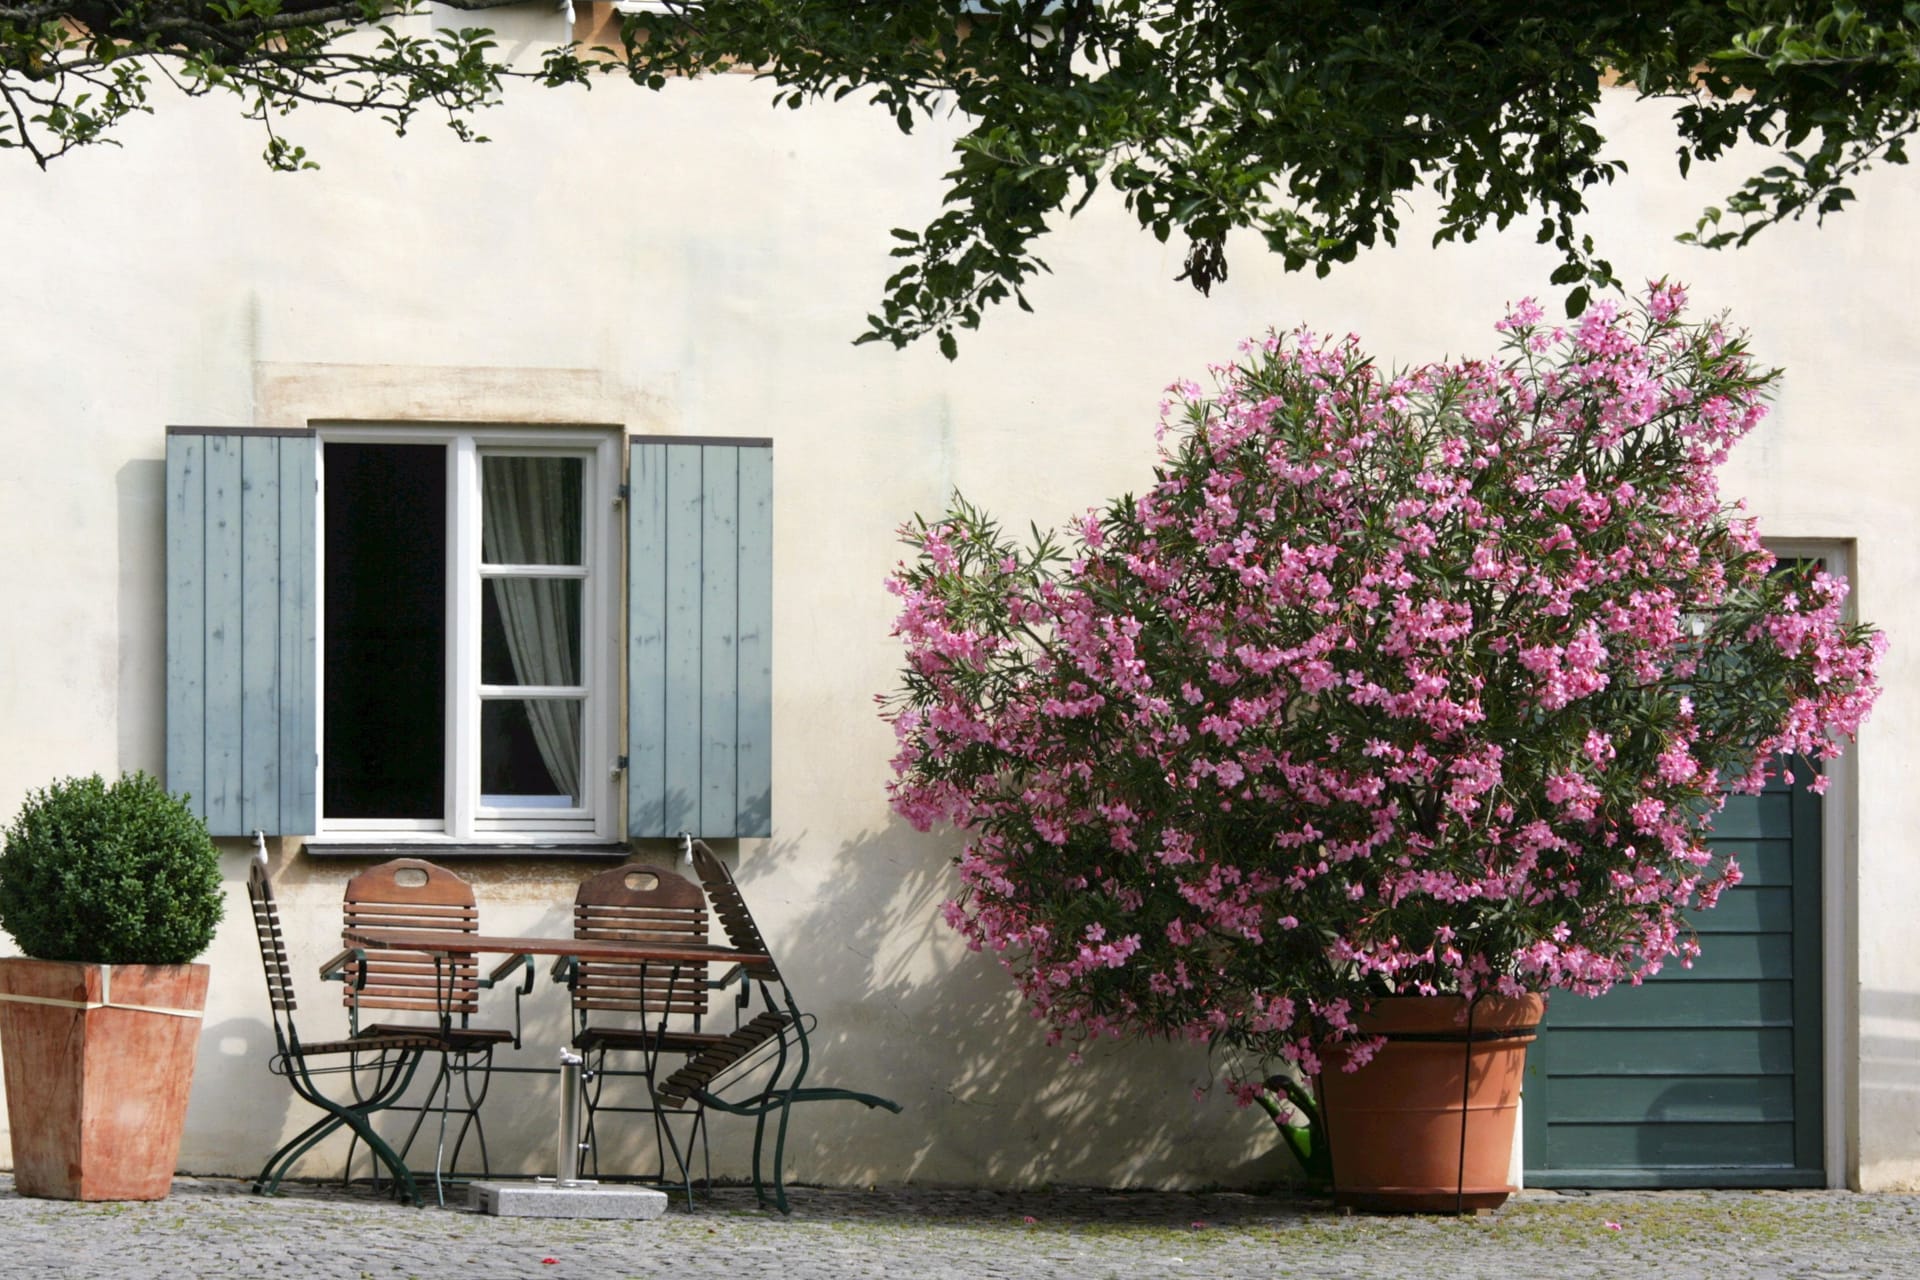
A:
(1651, 1223)
(218, 1230)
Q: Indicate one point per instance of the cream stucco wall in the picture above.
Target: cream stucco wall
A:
(695, 262)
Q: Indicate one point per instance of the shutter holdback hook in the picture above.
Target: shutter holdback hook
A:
(686, 848)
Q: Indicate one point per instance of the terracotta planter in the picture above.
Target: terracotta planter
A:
(99, 1059)
(1397, 1130)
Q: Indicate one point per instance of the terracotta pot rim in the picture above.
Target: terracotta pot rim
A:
(1447, 1014)
(106, 964)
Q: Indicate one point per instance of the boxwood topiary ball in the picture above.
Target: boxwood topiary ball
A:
(121, 874)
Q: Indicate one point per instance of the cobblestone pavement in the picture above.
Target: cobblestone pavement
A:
(214, 1227)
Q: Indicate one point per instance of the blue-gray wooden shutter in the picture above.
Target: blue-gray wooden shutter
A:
(699, 641)
(241, 612)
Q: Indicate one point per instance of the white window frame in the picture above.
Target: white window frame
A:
(466, 820)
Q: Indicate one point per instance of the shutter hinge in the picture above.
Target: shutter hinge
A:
(619, 765)
(621, 494)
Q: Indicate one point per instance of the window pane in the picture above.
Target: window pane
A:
(530, 631)
(385, 631)
(530, 753)
(530, 510)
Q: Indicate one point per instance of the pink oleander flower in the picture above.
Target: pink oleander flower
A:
(1385, 682)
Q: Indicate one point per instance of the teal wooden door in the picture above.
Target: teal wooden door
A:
(1709, 1076)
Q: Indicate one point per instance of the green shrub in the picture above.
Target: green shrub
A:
(121, 874)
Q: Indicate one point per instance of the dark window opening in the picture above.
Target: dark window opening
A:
(529, 752)
(385, 642)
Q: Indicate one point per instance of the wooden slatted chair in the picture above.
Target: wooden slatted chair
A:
(765, 1059)
(442, 994)
(390, 1058)
(654, 1011)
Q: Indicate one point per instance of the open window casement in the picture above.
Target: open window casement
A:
(420, 635)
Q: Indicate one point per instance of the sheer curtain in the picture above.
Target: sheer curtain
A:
(531, 515)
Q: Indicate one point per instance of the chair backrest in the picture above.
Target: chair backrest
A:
(640, 903)
(408, 893)
(735, 920)
(273, 945)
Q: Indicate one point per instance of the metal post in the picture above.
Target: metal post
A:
(571, 1144)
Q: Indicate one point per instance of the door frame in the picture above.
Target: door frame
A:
(1839, 913)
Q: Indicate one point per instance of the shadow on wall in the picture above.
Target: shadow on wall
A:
(906, 1011)
(239, 1111)
(140, 497)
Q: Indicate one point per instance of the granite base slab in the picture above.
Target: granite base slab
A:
(549, 1200)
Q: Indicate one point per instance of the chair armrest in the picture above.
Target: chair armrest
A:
(507, 966)
(335, 969)
(523, 988)
(738, 973)
(565, 969)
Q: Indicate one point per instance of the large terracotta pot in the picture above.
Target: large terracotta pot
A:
(1403, 1133)
(99, 1059)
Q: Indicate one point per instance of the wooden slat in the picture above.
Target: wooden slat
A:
(1744, 910)
(223, 625)
(594, 980)
(647, 641)
(408, 980)
(298, 638)
(719, 630)
(651, 1011)
(1660, 1100)
(649, 925)
(543, 945)
(1735, 955)
(186, 614)
(1681, 1005)
(1574, 1051)
(611, 923)
(1762, 862)
(754, 657)
(1765, 816)
(1677, 1146)
(389, 915)
(598, 986)
(680, 729)
(260, 597)
(399, 1004)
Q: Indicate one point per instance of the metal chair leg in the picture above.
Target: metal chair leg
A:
(268, 1181)
(473, 1121)
(354, 1117)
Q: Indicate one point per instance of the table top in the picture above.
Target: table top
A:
(450, 943)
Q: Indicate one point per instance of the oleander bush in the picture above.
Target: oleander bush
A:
(1407, 682)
